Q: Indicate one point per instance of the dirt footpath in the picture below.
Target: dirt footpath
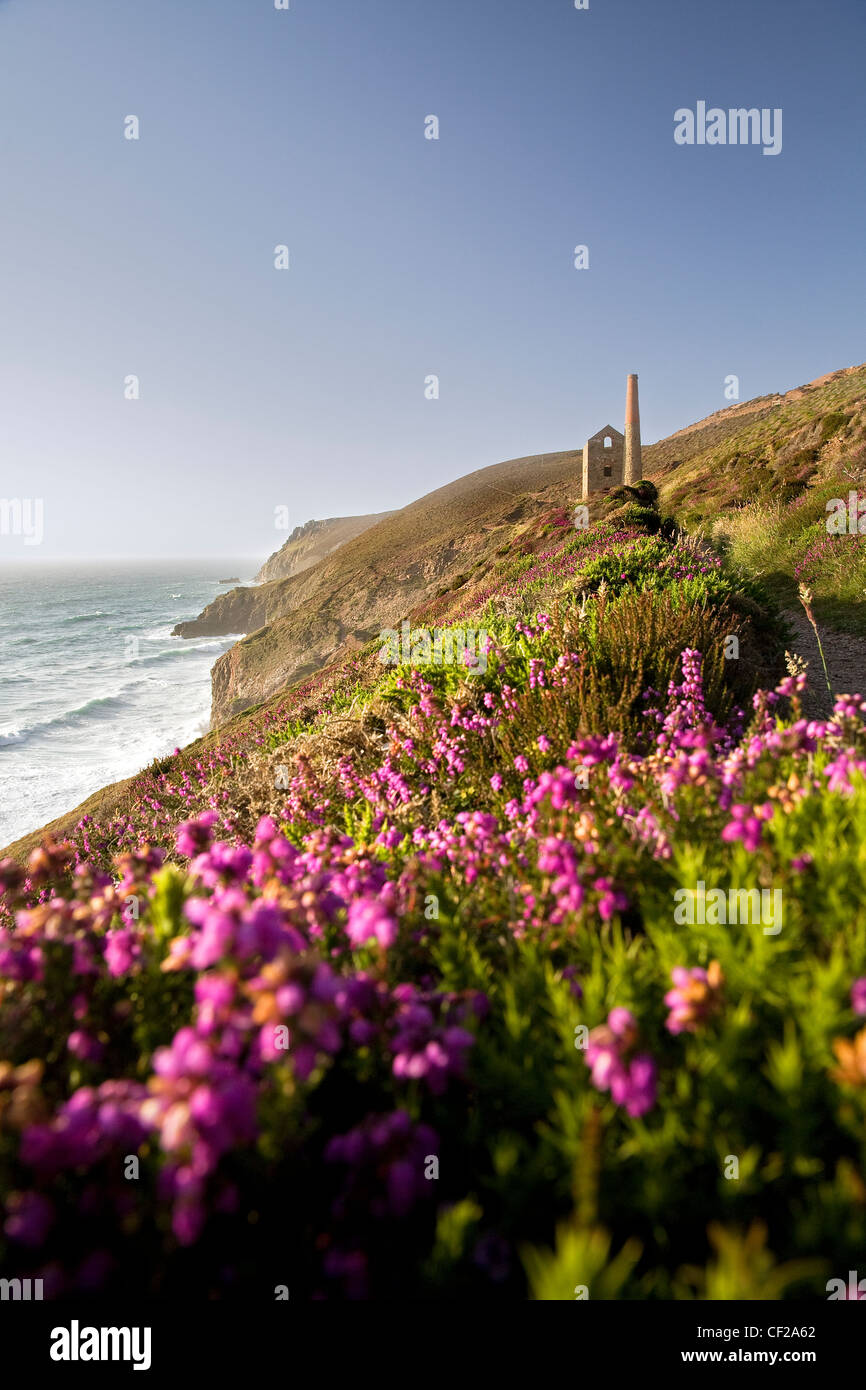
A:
(846, 662)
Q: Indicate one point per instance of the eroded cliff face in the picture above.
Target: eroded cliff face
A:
(314, 541)
(277, 656)
(248, 609)
(302, 642)
(239, 610)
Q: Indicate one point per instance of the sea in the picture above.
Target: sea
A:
(93, 686)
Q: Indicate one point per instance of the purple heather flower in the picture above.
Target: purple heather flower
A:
(266, 830)
(630, 1079)
(215, 940)
(612, 900)
(858, 996)
(29, 1218)
(746, 825)
(370, 919)
(194, 836)
(121, 949)
(84, 1046)
(622, 1024)
(635, 1088)
(694, 997)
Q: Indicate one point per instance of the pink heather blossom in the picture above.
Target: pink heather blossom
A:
(30, 1216)
(385, 1157)
(194, 836)
(746, 825)
(121, 950)
(694, 998)
(370, 919)
(630, 1077)
(84, 1046)
(623, 1025)
(611, 899)
(635, 1088)
(840, 771)
(266, 830)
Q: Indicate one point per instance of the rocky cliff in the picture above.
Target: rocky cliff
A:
(238, 610)
(245, 609)
(312, 542)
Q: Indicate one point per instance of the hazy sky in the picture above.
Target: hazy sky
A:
(305, 387)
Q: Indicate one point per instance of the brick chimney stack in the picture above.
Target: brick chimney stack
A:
(632, 472)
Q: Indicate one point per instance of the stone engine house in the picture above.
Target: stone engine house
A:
(603, 455)
(611, 458)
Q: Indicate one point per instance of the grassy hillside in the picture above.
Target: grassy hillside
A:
(776, 460)
(772, 446)
(300, 624)
(415, 942)
(521, 563)
(752, 480)
(755, 479)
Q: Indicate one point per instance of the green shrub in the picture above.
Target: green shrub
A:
(635, 514)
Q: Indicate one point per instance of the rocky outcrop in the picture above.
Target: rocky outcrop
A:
(312, 542)
(246, 609)
(239, 610)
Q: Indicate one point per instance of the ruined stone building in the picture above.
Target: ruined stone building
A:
(611, 458)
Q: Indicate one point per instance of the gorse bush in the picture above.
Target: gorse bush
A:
(476, 1008)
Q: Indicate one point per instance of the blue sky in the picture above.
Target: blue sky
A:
(408, 257)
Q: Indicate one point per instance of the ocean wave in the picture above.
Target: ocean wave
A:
(185, 649)
(81, 715)
(101, 706)
(188, 644)
(91, 709)
(156, 657)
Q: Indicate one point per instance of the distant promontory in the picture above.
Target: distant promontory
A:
(312, 542)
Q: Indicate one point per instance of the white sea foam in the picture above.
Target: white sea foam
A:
(77, 710)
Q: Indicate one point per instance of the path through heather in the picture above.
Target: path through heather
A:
(846, 662)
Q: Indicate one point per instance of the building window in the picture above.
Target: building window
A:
(607, 468)
(608, 442)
